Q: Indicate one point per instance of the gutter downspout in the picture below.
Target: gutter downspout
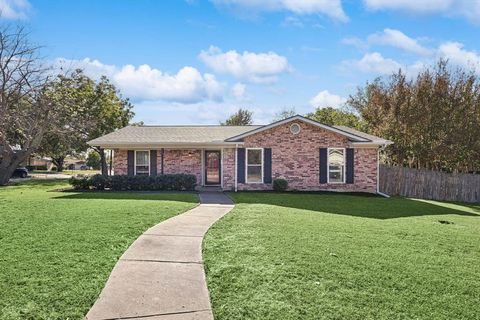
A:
(378, 172)
(236, 152)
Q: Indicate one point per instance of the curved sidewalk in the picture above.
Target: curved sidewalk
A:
(161, 275)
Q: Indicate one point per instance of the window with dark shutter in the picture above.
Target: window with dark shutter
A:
(153, 162)
(323, 172)
(241, 165)
(130, 162)
(350, 165)
(267, 165)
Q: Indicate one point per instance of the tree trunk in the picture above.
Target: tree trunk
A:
(10, 161)
(58, 162)
(103, 161)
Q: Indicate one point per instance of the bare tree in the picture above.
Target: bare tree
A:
(25, 109)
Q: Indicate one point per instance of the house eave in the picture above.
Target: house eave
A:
(372, 144)
(168, 145)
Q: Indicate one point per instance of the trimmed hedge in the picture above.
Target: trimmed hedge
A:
(167, 182)
(280, 185)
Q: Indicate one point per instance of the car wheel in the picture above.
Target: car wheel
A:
(23, 175)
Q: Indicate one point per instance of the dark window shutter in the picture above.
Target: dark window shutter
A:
(241, 165)
(350, 166)
(130, 162)
(162, 154)
(153, 162)
(323, 165)
(267, 165)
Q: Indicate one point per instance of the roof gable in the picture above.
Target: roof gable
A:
(351, 136)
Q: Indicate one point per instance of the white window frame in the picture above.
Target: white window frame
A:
(344, 165)
(246, 165)
(135, 162)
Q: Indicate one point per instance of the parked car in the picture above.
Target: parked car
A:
(21, 172)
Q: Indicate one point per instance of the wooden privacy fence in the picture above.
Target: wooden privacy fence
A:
(427, 184)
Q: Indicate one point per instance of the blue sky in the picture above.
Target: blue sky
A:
(183, 62)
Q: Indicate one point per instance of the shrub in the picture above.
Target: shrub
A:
(173, 182)
(280, 185)
(99, 182)
(80, 183)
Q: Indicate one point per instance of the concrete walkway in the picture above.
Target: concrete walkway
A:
(161, 275)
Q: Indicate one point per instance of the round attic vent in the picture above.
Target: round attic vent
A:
(295, 128)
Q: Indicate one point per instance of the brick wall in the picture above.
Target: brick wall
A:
(120, 162)
(176, 161)
(182, 161)
(228, 168)
(296, 158)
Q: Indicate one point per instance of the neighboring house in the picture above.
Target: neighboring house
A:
(308, 154)
(75, 164)
(39, 163)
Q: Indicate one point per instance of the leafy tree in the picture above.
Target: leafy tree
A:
(93, 160)
(331, 116)
(26, 111)
(72, 95)
(242, 117)
(108, 112)
(89, 110)
(284, 114)
(433, 119)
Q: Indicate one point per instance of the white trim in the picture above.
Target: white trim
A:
(344, 165)
(135, 162)
(299, 118)
(246, 165)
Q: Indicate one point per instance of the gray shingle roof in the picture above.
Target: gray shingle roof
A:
(170, 135)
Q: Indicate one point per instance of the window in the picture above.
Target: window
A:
(295, 128)
(336, 165)
(142, 163)
(254, 165)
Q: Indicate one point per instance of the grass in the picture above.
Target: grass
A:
(58, 249)
(333, 256)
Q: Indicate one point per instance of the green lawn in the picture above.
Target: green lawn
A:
(332, 256)
(57, 249)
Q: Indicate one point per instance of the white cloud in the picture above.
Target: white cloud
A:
(327, 99)
(398, 39)
(14, 9)
(469, 9)
(331, 8)
(188, 85)
(373, 63)
(239, 92)
(250, 66)
(389, 37)
(454, 52)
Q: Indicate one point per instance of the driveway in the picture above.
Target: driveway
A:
(161, 276)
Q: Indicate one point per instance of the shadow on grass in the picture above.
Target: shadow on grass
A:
(136, 195)
(358, 205)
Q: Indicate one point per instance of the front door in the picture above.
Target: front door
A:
(212, 167)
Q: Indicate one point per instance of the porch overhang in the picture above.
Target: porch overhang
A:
(143, 146)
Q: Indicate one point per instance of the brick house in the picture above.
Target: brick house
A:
(309, 155)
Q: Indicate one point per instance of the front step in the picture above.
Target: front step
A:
(210, 189)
